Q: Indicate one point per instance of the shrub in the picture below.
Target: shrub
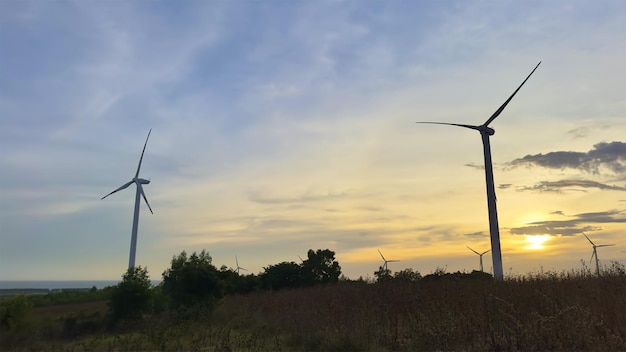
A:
(132, 297)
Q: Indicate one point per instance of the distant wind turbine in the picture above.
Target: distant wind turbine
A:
(137, 181)
(480, 255)
(485, 132)
(385, 261)
(238, 267)
(595, 253)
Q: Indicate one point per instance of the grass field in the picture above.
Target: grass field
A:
(549, 311)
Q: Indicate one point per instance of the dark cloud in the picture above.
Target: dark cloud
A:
(504, 186)
(609, 155)
(475, 166)
(558, 212)
(572, 226)
(569, 185)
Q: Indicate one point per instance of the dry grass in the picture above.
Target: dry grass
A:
(547, 311)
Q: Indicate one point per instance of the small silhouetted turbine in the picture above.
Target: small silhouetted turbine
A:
(485, 132)
(238, 267)
(385, 261)
(595, 253)
(137, 181)
(480, 255)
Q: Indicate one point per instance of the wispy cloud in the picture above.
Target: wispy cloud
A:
(563, 186)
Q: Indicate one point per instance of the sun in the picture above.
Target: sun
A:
(535, 242)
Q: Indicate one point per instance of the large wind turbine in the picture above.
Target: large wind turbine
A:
(480, 255)
(485, 132)
(595, 253)
(385, 261)
(137, 181)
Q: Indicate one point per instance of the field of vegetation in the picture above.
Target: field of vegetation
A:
(310, 307)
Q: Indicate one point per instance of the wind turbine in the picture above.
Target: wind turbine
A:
(595, 253)
(480, 255)
(485, 132)
(238, 267)
(137, 181)
(385, 260)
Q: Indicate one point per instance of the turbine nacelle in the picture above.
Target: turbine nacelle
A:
(142, 181)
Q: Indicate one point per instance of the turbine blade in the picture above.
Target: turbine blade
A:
(144, 149)
(592, 254)
(485, 251)
(119, 189)
(593, 244)
(605, 245)
(472, 250)
(497, 113)
(381, 255)
(391, 261)
(452, 124)
(237, 261)
(144, 197)
(243, 269)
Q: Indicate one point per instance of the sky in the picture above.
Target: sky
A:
(283, 126)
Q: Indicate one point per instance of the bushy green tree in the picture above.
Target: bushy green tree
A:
(13, 312)
(320, 268)
(132, 297)
(192, 281)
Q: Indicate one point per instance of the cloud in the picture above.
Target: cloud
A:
(569, 185)
(572, 226)
(475, 166)
(608, 155)
(504, 186)
(579, 132)
(258, 197)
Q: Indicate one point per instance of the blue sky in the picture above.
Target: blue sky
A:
(282, 126)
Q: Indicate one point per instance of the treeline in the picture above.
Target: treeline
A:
(192, 285)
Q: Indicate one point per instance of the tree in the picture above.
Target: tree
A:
(192, 281)
(382, 274)
(320, 268)
(282, 275)
(132, 297)
(13, 312)
(408, 275)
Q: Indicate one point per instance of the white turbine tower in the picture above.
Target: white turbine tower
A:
(480, 255)
(238, 267)
(137, 181)
(595, 253)
(385, 261)
(485, 132)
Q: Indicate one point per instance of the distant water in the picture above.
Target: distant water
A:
(54, 285)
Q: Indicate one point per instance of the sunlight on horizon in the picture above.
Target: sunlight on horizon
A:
(536, 242)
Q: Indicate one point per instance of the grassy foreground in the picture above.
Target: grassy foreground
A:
(446, 312)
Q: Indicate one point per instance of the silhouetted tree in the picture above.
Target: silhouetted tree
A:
(132, 297)
(407, 275)
(320, 268)
(192, 280)
(281, 275)
(382, 274)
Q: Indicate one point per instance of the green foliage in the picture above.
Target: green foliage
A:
(320, 268)
(13, 312)
(132, 297)
(192, 281)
